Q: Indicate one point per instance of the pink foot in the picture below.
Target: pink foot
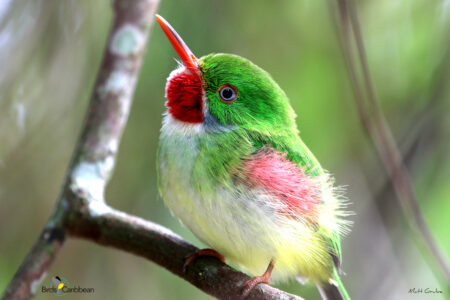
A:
(249, 285)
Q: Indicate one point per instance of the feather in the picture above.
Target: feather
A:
(271, 170)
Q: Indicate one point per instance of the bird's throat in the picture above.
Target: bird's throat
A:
(184, 97)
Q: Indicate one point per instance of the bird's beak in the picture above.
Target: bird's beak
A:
(188, 58)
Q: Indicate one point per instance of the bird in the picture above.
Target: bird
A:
(233, 169)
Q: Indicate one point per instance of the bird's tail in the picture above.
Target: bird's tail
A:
(334, 289)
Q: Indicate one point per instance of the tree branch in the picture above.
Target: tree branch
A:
(113, 228)
(94, 157)
(81, 210)
(378, 129)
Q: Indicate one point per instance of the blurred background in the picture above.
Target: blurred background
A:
(50, 51)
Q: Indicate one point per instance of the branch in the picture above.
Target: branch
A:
(81, 210)
(416, 142)
(378, 129)
(113, 228)
(94, 156)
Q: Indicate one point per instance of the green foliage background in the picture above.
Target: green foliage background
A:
(50, 52)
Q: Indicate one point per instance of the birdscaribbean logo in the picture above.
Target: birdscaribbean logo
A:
(60, 283)
(60, 286)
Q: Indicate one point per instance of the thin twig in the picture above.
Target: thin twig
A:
(81, 210)
(375, 123)
(416, 142)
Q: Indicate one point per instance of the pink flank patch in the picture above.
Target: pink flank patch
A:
(282, 178)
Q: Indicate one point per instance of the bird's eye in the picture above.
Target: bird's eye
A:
(227, 93)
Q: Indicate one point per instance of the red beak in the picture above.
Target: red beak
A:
(186, 55)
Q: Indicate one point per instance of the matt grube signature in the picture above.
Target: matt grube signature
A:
(424, 291)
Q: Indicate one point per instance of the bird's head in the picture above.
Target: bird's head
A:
(224, 91)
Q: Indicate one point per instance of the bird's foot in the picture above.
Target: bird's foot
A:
(249, 285)
(202, 252)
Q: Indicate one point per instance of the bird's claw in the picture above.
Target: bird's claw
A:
(202, 252)
(250, 284)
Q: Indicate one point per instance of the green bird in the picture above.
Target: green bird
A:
(234, 170)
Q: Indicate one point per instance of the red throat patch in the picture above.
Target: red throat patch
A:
(184, 97)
